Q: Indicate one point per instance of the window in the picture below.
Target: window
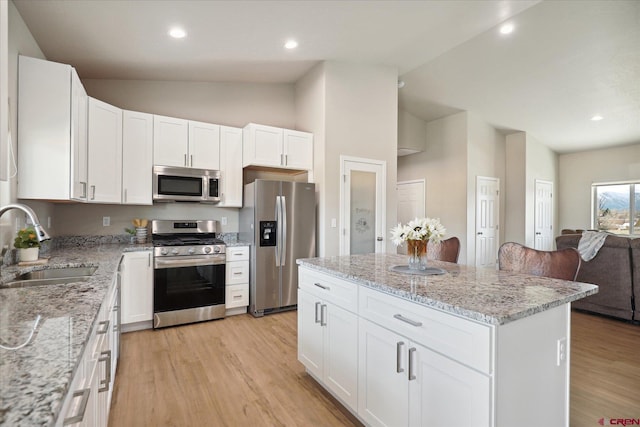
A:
(617, 207)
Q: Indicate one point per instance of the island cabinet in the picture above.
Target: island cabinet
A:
(274, 147)
(328, 331)
(421, 367)
(472, 348)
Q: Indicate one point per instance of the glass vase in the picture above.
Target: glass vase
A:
(417, 251)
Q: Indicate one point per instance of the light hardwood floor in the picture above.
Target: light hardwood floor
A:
(242, 371)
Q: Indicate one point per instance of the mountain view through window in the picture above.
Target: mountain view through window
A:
(617, 208)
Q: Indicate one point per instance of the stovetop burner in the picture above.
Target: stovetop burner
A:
(170, 240)
(186, 238)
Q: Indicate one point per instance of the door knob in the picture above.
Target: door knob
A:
(379, 239)
(479, 233)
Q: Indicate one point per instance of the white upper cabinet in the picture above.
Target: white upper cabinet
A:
(298, 149)
(185, 143)
(45, 126)
(204, 146)
(105, 152)
(170, 141)
(137, 158)
(79, 141)
(277, 148)
(262, 146)
(231, 167)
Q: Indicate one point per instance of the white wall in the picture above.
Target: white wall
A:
(527, 160)
(21, 42)
(412, 132)
(443, 165)
(577, 171)
(352, 109)
(311, 117)
(230, 104)
(486, 157)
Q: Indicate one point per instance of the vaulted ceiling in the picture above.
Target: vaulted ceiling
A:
(564, 62)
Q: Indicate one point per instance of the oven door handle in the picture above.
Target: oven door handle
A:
(188, 261)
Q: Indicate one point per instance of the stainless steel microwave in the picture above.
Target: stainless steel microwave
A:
(177, 184)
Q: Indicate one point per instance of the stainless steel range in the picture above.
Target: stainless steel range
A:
(189, 272)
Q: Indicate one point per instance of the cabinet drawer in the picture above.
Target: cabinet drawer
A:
(237, 253)
(237, 296)
(332, 289)
(463, 340)
(237, 272)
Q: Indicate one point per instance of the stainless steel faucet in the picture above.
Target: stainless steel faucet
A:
(41, 234)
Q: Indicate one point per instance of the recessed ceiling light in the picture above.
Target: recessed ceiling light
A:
(291, 44)
(177, 33)
(506, 28)
(597, 118)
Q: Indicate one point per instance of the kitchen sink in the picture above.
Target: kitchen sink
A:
(53, 276)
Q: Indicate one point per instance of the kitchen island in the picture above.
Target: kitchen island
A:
(35, 379)
(468, 347)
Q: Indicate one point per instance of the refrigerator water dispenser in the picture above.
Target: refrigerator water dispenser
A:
(268, 233)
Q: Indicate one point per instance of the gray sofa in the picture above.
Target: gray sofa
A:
(616, 270)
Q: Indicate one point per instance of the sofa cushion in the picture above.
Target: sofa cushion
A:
(610, 269)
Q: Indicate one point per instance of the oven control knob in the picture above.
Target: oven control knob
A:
(163, 251)
(216, 249)
(207, 249)
(191, 251)
(174, 252)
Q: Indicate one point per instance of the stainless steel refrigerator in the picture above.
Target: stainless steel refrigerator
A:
(278, 219)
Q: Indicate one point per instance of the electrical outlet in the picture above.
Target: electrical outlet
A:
(334, 223)
(48, 222)
(562, 351)
(106, 221)
(223, 220)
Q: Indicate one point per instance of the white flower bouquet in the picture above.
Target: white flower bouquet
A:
(427, 229)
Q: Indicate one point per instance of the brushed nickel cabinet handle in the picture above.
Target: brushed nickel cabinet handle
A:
(326, 288)
(81, 410)
(399, 346)
(407, 320)
(106, 357)
(317, 305)
(412, 374)
(323, 315)
(104, 323)
(93, 192)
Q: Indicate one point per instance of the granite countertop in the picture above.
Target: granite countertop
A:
(35, 378)
(484, 295)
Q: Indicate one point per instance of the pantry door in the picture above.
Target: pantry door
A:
(411, 203)
(362, 204)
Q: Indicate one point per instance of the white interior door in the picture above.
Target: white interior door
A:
(543, 220)
(487, 216)
(411, 203)
(362, 204)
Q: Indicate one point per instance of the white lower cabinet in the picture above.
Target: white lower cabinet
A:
(403, 383)
(237, 280)
(89, 398)
(328, 334)
(137, 290)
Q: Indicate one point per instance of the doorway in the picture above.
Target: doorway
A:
(411, 203)
(543, 217)
(362, 204)
(487, 217)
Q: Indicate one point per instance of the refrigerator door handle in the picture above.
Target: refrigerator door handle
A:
(283, 230)
(278, 230)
